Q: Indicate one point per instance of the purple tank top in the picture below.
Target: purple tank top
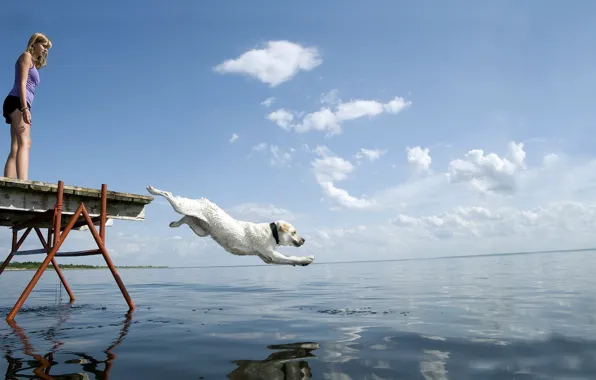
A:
(32, 82)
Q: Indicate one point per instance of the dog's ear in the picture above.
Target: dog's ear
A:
(282, 226)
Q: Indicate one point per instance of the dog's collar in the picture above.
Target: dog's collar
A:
(273, 227)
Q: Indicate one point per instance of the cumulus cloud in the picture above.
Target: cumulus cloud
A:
(329, 119)
(370, 154)
(282, 118)
(275, 63)
(330, 169)
(419, 159)
(234, 137)
(491, 172)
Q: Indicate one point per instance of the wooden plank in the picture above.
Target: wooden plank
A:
(20, 200)
(46, 187)
(8, 218)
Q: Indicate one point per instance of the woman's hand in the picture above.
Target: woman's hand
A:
(27, 116)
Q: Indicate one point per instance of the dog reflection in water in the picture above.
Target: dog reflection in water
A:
(281, 365)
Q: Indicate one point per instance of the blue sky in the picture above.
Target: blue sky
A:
(136, 91)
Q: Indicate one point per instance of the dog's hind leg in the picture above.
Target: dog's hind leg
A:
(154, 191)
(179, 204)
(193, 223)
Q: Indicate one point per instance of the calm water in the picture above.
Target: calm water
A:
(508, 317)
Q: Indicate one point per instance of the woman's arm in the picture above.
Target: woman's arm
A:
(25, 62)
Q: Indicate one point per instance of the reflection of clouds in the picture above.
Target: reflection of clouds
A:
(432, 365)
(340, 351)
(434, 337)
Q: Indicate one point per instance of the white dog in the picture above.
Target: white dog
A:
(237, 237)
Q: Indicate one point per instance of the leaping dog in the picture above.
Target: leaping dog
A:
(237, 237)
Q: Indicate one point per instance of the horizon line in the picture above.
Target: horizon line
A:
(404, 259)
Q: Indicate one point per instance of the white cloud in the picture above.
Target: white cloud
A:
(331, 168)
(268, 102)
(282, 118)
(419, 158)
(491, 172)
(234, 137)
(330, 120)
(370, 154)
(273, 64)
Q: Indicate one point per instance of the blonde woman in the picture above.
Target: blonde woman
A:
(17, 105)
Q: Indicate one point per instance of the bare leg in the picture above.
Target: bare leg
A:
(279, 258)
(193, 223)
(10, 169)
(17, 163)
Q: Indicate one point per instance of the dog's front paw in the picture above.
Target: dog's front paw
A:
(307, 260)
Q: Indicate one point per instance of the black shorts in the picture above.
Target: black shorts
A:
(11, 103)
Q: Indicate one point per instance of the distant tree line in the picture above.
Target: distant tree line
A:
(37, 264)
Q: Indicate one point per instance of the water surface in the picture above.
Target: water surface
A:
(499, 317)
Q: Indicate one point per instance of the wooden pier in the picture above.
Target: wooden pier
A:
(32, 206)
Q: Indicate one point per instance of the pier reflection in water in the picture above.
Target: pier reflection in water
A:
(285, 363)
(41, 365)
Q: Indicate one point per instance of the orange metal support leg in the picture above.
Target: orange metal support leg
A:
(15, 247)
(100, 243)
(44, 265)
(55, 264)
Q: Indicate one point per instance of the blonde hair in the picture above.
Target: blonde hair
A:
(35, 38)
